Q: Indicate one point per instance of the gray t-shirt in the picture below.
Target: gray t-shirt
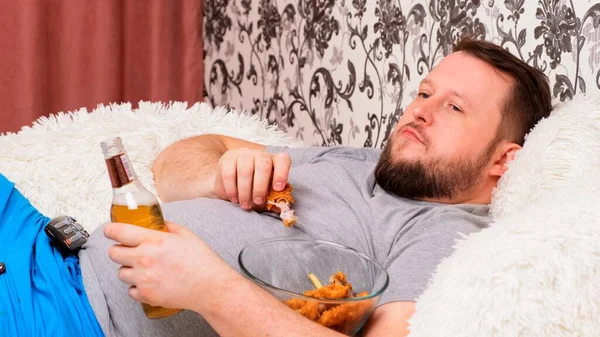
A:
(336, 200)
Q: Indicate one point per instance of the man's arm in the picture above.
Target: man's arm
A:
(219, 167)
(176, 269)
(186, 169)
(390, 319)
(246, 310)
(251, 311)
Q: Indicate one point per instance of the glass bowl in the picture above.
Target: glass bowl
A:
(281, 266)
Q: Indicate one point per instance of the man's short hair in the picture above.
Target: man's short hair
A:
(529, 100)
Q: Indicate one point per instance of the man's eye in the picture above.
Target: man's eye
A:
(455, 108)
(423, 95)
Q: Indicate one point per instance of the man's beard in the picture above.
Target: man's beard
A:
(435, 179)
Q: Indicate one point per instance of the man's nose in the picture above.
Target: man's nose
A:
(424, 111)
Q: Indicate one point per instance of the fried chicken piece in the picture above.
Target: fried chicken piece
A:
(331, 291)
(339, 317)
(338, 287)
(280, 202)
(339, 278)
(343, 318)
(309, 309)
(295, 303)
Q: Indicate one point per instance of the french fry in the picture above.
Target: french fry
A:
(315, 281)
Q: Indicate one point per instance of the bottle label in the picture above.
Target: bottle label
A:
(127, 167)
(119, 170)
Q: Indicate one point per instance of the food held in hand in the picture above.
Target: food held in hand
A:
(343, 317)
(280, 202)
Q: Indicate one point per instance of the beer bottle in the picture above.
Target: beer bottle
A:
(132, 203)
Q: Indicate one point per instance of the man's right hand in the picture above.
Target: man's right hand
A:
(246, 176)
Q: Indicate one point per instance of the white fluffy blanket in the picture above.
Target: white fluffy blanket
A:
(58, 164)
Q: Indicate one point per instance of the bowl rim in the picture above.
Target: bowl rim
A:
(248, 274)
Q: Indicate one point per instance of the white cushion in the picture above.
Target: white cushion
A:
(58, 164)
(559, 150)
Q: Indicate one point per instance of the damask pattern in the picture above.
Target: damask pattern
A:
(341, 72)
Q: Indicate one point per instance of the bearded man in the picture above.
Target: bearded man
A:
(404, 206)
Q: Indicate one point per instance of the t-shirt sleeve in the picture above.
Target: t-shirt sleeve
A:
(413, 259)
(304, 155)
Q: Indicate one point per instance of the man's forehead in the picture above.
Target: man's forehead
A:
(451, 91)
(470, 78)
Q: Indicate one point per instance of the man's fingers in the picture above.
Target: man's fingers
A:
(135, 294)
(245, 177)
(142, 295)
(263, 169)
(130, 235)
(281, 169)
(173, 227)
(126, 275)
(123, 255)
(228, 174)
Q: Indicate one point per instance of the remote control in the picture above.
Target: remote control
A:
(67, 233)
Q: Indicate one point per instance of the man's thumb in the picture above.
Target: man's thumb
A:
(173, 227)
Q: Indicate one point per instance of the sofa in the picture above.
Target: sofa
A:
(533, 272)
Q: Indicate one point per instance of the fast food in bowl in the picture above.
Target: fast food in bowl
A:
(333, 285)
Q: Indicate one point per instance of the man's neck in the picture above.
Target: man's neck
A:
(480, 195)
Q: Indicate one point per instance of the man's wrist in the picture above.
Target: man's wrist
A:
(208, 187)
(215, 296)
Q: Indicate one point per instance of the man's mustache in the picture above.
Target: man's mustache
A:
(418, 129)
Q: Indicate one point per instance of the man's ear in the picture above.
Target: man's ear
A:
(505, 153)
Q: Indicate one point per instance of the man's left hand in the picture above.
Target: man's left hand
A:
(172, 269)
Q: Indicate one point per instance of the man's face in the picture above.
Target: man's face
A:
(444, 141)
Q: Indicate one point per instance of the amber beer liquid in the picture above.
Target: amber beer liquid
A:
(132, 203)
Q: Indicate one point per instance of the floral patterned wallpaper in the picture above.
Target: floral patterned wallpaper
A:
(336, 72)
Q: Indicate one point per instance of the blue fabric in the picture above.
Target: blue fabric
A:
(41, 292)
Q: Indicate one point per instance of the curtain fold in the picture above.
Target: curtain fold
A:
(62, 55)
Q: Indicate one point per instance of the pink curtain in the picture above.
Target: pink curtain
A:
(60, 55)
